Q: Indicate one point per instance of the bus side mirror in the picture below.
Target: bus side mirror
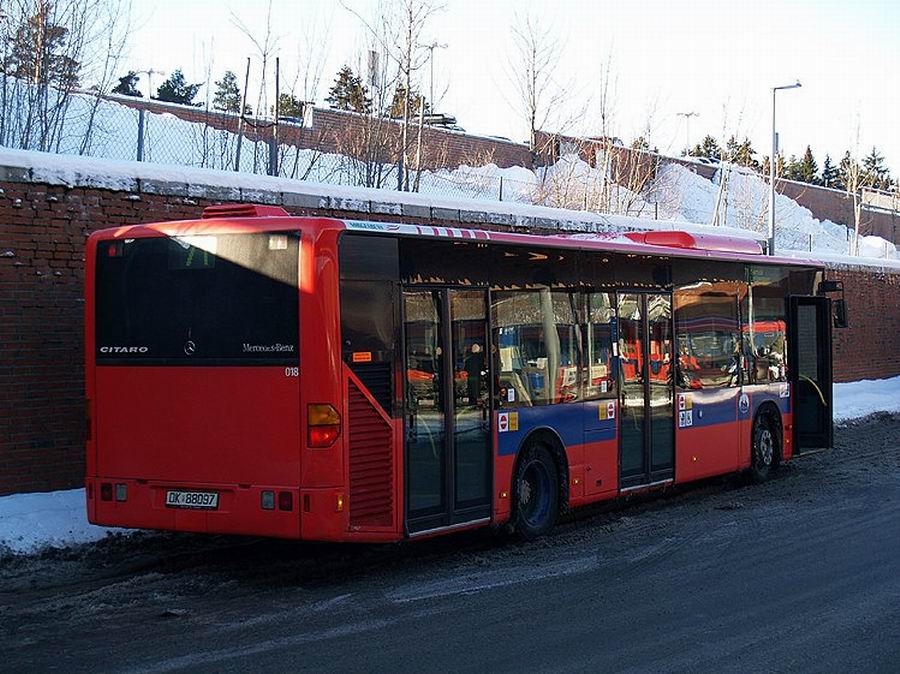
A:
(840, 313)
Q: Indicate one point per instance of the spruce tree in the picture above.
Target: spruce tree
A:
(807, 169)
(708, 147)
(228, 95)
(831, 175)
(791, 169)
(349, 92)
(290, 106)
(127, 85)
(875, 173)
(177, 90)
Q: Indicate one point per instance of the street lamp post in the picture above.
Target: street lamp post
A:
(773, 158)
(431, 48)
(687, 131)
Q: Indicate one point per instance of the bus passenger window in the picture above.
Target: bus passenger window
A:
(599, 373)
(709, 348)
(538, 346)
(765, 338)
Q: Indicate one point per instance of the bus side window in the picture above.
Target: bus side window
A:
(538, 346)
(765, 327)
(709, 346)
(599, 330)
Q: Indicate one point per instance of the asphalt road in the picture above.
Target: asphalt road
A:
(798, 575)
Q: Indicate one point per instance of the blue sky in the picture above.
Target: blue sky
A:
(717, 58)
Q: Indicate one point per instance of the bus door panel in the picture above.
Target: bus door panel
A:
(646, 423)
(447, 407)
(810, 371)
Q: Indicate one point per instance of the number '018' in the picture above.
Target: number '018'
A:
(292, 372)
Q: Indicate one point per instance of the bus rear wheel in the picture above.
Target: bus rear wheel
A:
(536, 485)
(766, 450)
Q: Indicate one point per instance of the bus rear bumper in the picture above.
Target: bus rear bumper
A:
(141, 504)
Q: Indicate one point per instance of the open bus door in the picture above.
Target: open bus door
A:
(809, 339)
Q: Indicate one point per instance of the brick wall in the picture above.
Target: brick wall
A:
(870, 347)
(42, 234)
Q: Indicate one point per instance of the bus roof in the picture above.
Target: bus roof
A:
(669, 243)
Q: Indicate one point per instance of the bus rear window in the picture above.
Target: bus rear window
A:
(198, 300)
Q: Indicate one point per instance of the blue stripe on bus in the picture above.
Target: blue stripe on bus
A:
(577, 423)
(566, 419)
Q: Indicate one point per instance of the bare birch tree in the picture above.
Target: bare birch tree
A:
(532, 70)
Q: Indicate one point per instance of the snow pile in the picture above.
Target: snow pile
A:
(856, 399)
(30, 523)
(740, 199)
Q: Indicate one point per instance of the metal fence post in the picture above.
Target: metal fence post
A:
(142, 120)
(501, 188)
(273, 156)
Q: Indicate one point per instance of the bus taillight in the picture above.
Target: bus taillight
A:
(323, 425)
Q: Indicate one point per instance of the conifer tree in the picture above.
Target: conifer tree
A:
(228, 95)
(127, 85)
(177, 90)
(807, 170)
(847, 169)
(708, 147)
(875, 173)
(290, 106)
(349, 92)
(831, 174)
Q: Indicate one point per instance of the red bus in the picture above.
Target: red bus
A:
(256, 373)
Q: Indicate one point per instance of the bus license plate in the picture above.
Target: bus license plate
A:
(192, 499)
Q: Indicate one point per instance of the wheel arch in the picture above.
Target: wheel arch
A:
(550, 439)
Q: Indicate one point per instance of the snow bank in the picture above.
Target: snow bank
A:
(856, 399)
(30, 523)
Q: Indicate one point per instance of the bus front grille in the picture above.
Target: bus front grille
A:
(371, 463)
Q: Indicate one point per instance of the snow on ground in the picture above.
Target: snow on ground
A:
(856, 399)
(33, 522)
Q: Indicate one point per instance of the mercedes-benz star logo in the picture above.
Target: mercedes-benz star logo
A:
(190, 348)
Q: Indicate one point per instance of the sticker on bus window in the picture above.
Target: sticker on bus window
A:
(511, 395)
(362, 356)
(278, 242)
(604, 386)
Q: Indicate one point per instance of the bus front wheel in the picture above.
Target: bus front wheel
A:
(536, 485)
(766, 449)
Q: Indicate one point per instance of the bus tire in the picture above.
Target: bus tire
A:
(536, 490)
(765, 451)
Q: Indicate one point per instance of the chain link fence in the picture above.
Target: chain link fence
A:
(123, 129)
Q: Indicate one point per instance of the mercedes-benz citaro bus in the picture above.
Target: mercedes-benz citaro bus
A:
(256, 373)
